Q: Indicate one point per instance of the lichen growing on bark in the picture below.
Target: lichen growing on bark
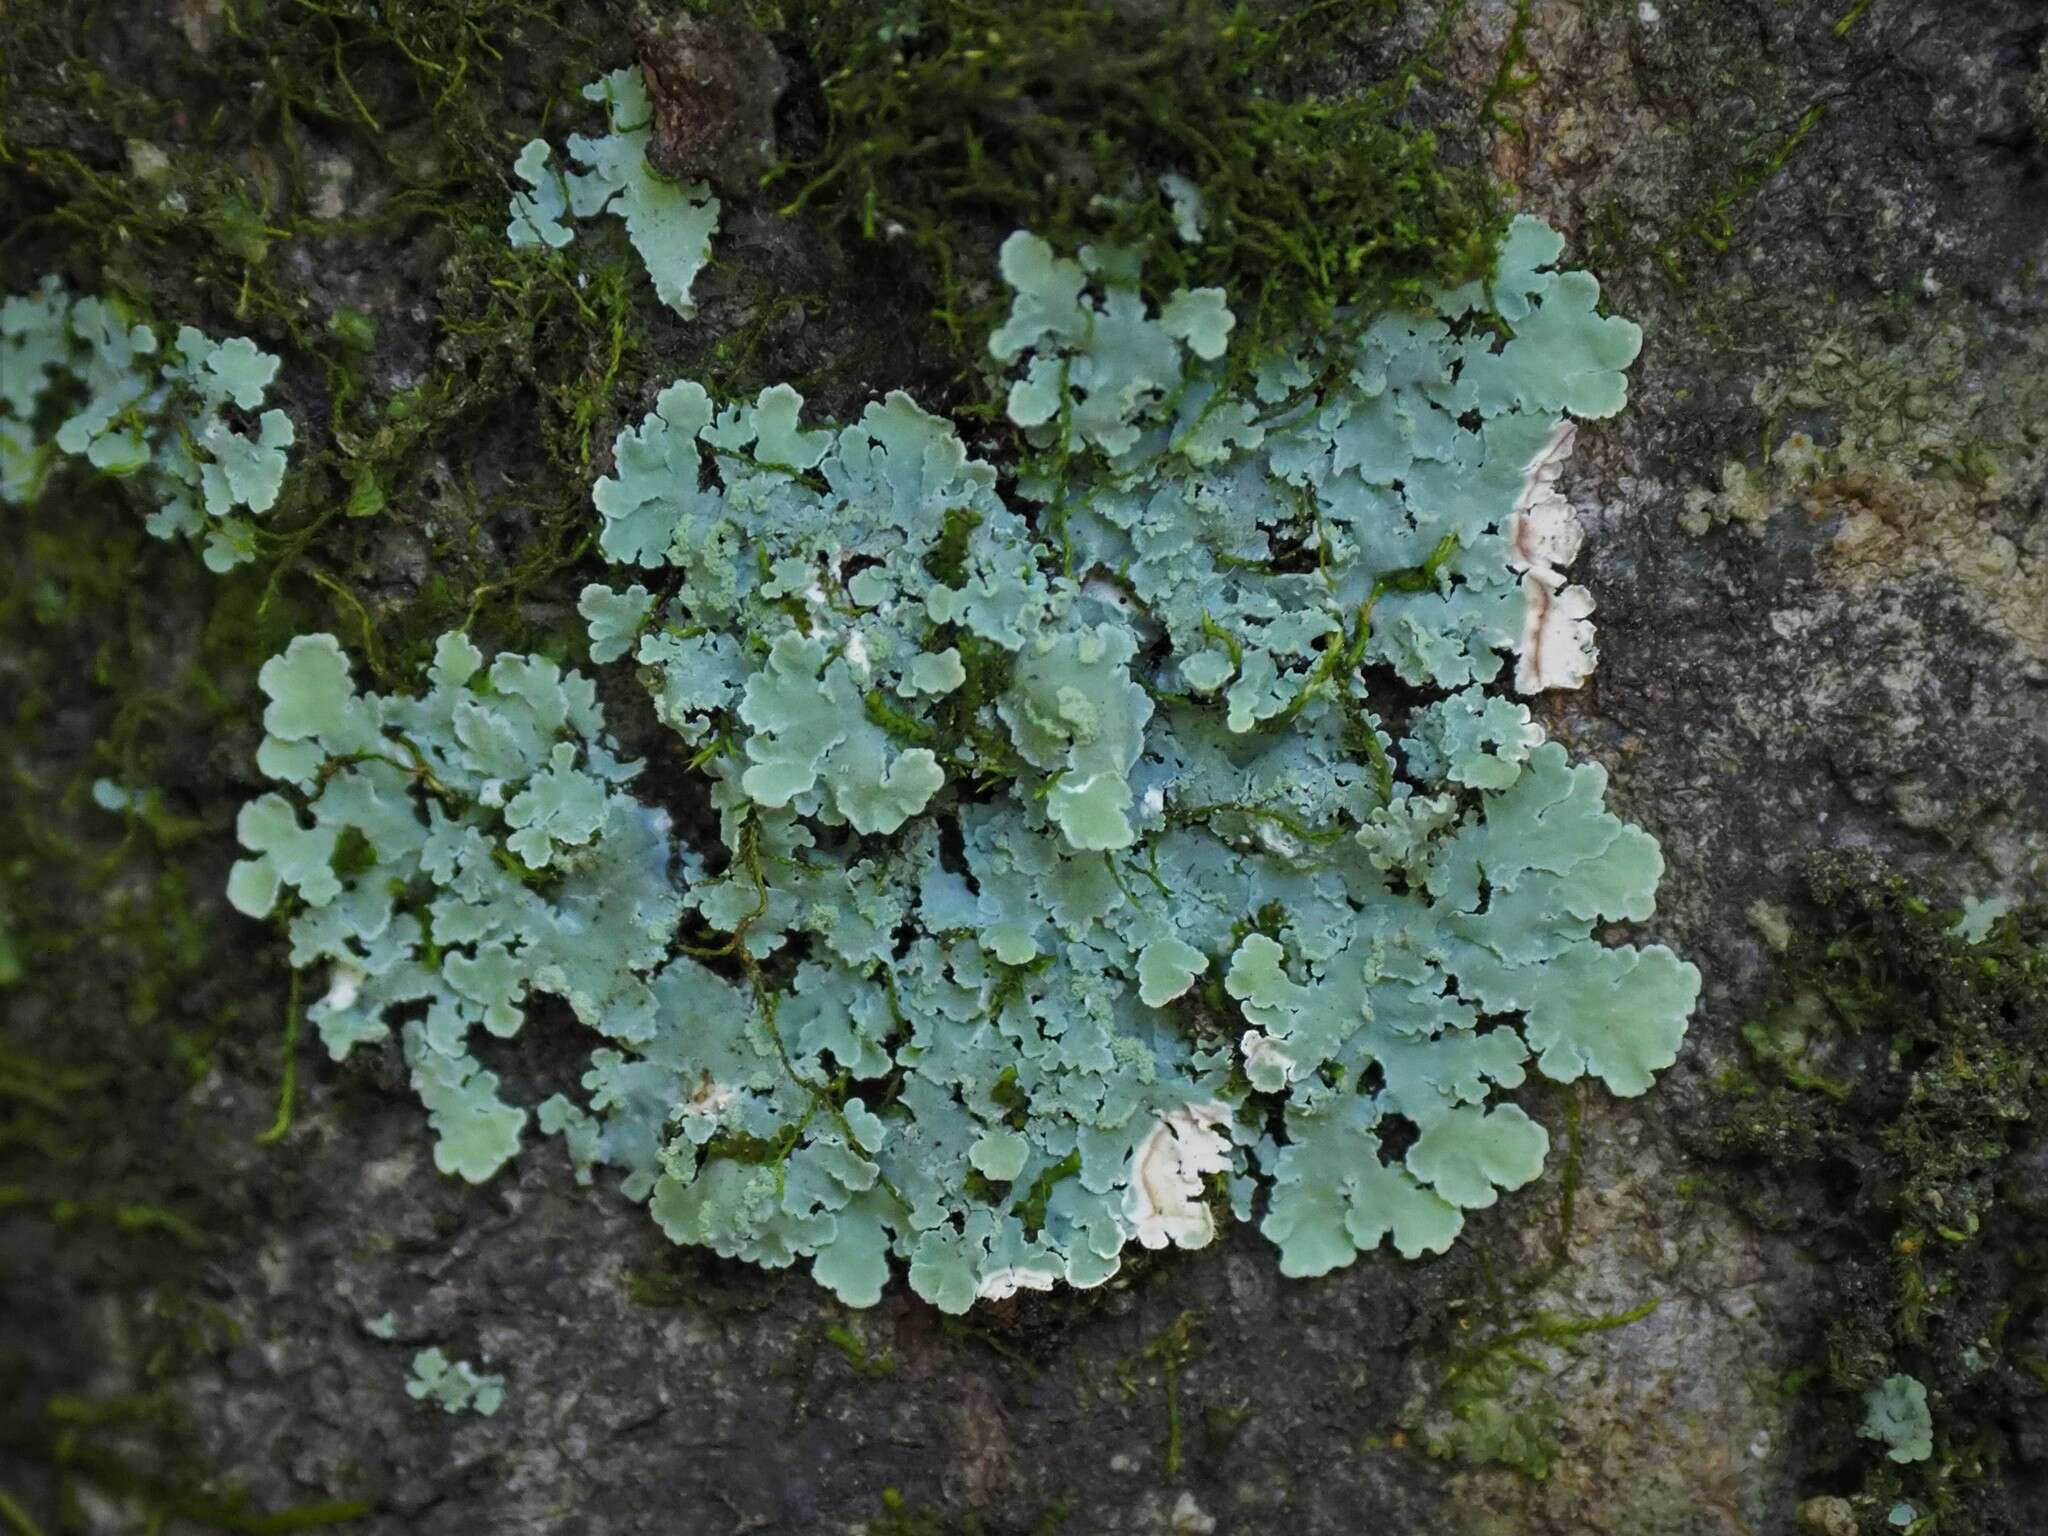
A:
(1000, 780)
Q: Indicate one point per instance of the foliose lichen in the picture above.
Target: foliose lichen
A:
(670, 222)
(465, 849)
(1102, 842)
(457, 1386)
(1896, 1415)
(80, 378)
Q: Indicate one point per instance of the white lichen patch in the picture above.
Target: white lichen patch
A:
(1002, 1284)
(1555, 648)
(709, 1100)
(1747, 499)
(1163, 1184)
(344, 987)
(1948, 530)
(1266, 1061)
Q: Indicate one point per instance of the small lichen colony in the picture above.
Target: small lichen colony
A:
(457, 1386)
(79, 378)
(435, 822)
(1088, 844)
(670, 223)
(1897, 1416)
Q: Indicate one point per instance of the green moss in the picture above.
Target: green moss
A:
(133, 1454)
(863, 1361)
(1166, 1353)
(1899, 1097)
(900, 1517)
(1491, 1406)
(123, 660)
(1712, 223)
(1514, 74)
(948, 123)
(1745, 81)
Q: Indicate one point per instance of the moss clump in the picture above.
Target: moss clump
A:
(1135, 124)
(900, 1517)
(1491, 1405)
(1894, 1123)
